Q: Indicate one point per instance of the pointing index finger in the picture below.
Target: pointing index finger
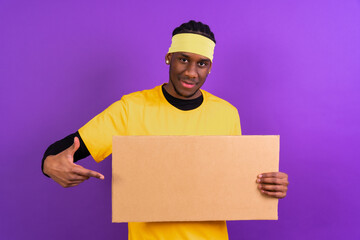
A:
(88, 173)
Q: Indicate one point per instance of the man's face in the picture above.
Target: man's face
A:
(188, 72)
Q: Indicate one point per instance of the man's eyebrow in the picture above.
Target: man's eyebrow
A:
(204, 60)
(201, 60)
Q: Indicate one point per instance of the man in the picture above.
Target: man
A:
(179, 107)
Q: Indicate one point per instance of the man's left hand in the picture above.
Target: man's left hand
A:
(273, 184)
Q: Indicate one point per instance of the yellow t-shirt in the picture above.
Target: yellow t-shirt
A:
(149, 113)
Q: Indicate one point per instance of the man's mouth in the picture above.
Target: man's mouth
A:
(187, 84)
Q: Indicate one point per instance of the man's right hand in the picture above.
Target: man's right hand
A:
(62, 169)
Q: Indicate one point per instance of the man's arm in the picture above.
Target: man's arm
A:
(63, 144)
(58, 162)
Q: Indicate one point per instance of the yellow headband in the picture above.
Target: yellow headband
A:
(193, 43)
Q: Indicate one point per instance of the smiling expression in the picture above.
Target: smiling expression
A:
(188, 72)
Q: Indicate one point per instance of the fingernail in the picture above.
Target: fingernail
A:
(258, 180)
(260, 176)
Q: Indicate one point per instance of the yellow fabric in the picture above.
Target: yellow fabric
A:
(193, 43)
(149, 113)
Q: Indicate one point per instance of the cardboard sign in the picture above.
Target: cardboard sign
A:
(192, 178)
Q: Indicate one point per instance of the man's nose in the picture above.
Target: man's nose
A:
(191, 71)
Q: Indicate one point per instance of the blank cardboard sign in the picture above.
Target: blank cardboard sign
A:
(191, 178)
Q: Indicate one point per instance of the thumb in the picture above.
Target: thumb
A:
(73, 148)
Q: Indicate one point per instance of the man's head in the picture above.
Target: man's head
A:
(190, 59)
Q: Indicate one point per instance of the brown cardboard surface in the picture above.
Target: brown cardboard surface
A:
(191, 178)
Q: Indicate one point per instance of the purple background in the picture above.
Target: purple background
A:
(290, 67)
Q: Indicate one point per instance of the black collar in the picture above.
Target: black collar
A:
(183, 104)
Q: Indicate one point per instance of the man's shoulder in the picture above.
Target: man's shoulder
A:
(218, 102)
(142, 96)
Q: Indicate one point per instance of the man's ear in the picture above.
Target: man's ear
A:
(210, 67)
(168, 58)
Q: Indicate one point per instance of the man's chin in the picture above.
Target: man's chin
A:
(187, 94)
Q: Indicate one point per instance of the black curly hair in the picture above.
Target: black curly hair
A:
(195, 27)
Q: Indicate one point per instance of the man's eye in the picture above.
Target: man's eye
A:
(202, 64)
(184, 60)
